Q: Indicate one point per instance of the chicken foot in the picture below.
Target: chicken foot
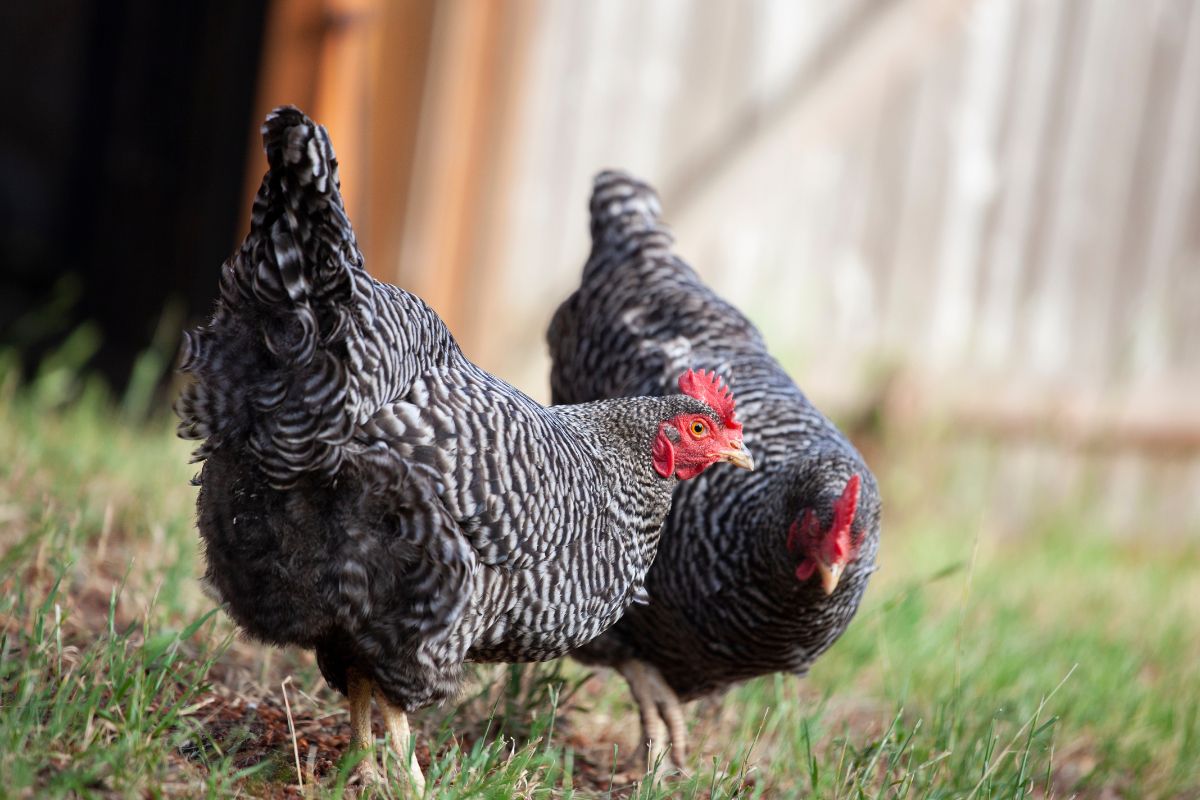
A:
(663, 722)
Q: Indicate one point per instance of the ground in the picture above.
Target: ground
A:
(1056, 660)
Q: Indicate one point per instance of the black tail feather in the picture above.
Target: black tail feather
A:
(621, 201)
(625, 221)
(304, 346)
(270, 365)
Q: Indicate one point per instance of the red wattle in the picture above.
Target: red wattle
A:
(805, 569)
(663, 453)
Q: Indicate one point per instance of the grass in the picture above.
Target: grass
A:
(1058, 661)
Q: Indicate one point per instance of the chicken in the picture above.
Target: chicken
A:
(370, 494)
(756, 573)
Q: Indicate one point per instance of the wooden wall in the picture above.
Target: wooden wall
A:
(995, 201)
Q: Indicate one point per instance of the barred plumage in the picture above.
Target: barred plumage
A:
(726, 603)
(370, 493)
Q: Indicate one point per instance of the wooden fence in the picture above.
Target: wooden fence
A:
(999, 201)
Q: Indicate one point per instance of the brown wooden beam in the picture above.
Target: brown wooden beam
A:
(400, 52)
(287, 74)
(461, 146)
(418, 96)
(1157, 421)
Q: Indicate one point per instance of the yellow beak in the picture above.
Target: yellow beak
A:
(739, 456)
(830, 575)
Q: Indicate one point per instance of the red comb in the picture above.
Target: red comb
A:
(709, 388)
(844, 509)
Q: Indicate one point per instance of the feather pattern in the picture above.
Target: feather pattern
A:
(370, 493)
(724, 601)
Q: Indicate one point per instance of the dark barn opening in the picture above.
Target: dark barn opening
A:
(122, 150)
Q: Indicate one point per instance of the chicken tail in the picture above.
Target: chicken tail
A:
(625, 218)
(304, 345)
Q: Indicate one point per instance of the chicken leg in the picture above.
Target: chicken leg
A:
(360, 726)
(403, 743)
(663, 722)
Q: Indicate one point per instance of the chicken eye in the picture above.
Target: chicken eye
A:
(699, 429)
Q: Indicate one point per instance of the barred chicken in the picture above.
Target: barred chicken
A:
(756, 573)
(370, 494)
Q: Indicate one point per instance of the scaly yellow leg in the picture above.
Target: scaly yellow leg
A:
(403, 743)
(671, 711)
(662, 714)
(360, 726)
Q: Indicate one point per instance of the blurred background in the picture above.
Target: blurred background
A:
(974, 217)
